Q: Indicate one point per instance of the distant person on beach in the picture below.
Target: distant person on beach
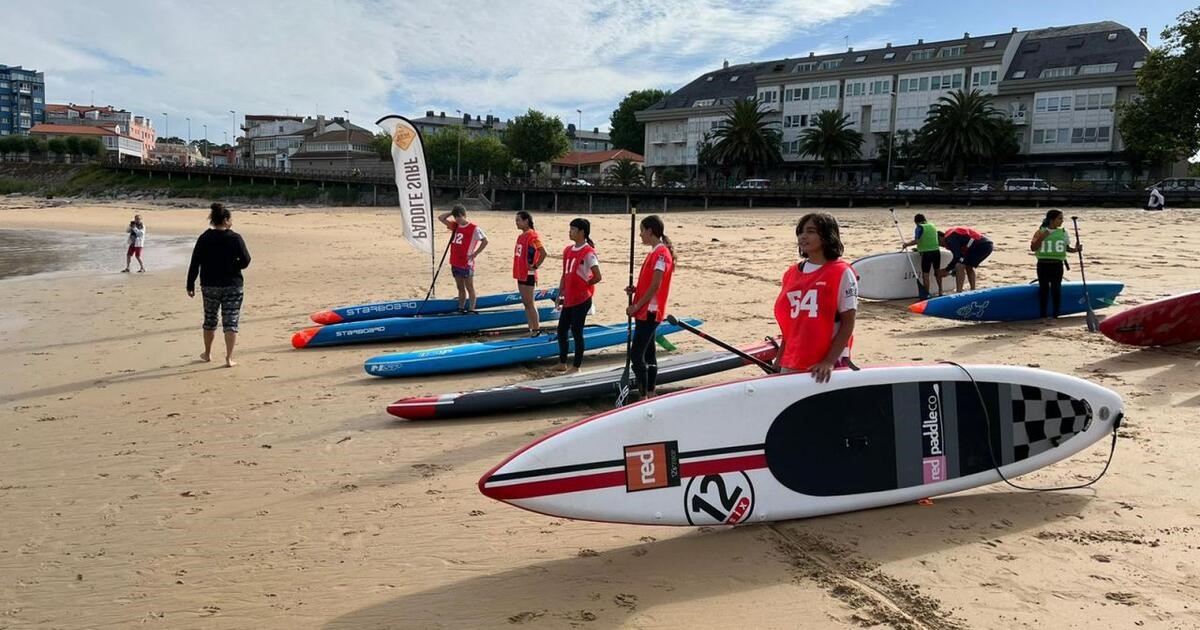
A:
(137, 240)
(969, 249)
(528, 255)
(926, 239)
(580, 274)
(649, 305)
(218, 259)
(1156, 202)
(467, 241)
(1051, 244)
(817, 302)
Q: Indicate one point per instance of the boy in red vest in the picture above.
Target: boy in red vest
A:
(467, 241)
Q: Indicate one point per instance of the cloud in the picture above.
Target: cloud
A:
(202, 59)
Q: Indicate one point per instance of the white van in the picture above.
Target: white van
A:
(1032, 183)
(754, 184)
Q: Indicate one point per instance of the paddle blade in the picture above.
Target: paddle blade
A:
(1092, 323)
(664, 343)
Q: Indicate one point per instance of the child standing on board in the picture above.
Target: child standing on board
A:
(817, 302)
(1051, 244)
(464, 238)
(925, 237)
(527, 257)
(581, 273)
(649, 305)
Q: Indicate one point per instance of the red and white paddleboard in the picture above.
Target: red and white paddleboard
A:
(783, 446)
(1164, 322)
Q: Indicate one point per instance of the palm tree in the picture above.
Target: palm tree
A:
(963, 128)
(830, 139)
(625, 173)
(746, 140)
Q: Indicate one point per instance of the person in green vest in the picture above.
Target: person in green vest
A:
(1051, 244)
(926, 239)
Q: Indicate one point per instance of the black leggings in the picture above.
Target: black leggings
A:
(1050, 276)
(572, 319)
(643, 354)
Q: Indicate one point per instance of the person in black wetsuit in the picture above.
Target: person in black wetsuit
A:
(218, 259)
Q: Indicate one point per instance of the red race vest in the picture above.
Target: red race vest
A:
(576, 289)
(806, 311)
(965, 231)
(527, 245)
(461, 240)
(646, 276)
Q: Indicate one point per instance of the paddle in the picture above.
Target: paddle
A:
(767, 367)
(1092, 324)
(623, 391)
(922, 292)
(435, 275)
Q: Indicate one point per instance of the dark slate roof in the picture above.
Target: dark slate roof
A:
(1082, 44)
(716, 85)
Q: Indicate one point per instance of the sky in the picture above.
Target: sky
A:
(175, 60)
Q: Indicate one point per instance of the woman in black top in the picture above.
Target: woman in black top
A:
(219, 257)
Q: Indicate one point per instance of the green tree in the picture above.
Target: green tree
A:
(57, 146)
(381, 143)
(535, 138)
(36, 147)
(745, 140)
(487, 154)
(171, 140)
(706, 157)
(92, 148)
(962, 129)
(73, 145)
(10, 145)
(625, 173)
(832, 139)
(625, 131)
(1162, 125)
(442, 150)
(904, 151)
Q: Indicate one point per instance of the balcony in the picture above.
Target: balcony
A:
(1018, 118)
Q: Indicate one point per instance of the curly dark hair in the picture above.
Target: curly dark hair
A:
(827, 229)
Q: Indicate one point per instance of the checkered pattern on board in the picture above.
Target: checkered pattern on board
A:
(1043, 419)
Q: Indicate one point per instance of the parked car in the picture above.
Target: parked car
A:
(673, 185)
(972, 187)
(915, 186)
(758, 184)
(575, 181)
(1178, 184)
(1031, 183)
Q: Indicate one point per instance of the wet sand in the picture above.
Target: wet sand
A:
(139, 486)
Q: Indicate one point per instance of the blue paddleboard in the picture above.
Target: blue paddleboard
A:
(1016, 302)
(409, 308)
(404, 327)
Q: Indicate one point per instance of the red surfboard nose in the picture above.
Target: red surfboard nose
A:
(301, 339)
(919, 307)
(326, 317)
(417, 408)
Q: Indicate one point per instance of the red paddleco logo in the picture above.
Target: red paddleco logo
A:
(650, 466)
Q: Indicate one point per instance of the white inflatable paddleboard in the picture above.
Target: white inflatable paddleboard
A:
(890, 277)
(783, 446)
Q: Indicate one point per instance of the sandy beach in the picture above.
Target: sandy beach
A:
(141, 488)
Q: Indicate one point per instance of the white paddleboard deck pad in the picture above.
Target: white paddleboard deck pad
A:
(783, 447)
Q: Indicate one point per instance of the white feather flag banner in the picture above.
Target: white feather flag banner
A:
(412, 181)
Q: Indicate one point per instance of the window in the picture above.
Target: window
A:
(1104, 134)
(704, 102)
(830, 64)
(803, 120)
(888, 56)
(881, 87)
(1075, 42)
(856, 89)
(1050, 73)
(807, 66)
(708, 78)
(983, 78)
(1019, 74)
(860, 59)
(1112, 37)
(787, 95)
(733, 78)
(1106, 100)
(1138, 64)
(1097, 68)
(920, 55)
(924, 84)
(952, 51)
(991, 43)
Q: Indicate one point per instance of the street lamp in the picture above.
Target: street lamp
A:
(891, 138)
(458, 156)
(347, 112)
(207, 148)
(233, 127)
(166, 125)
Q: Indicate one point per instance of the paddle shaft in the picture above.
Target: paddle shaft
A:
(1092, 324)
(437, 271)
(922, 291)
(624, 389)
(767, 367)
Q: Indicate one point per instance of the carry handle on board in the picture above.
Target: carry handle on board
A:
(767, 367)
(1092, 324)
(922, 290)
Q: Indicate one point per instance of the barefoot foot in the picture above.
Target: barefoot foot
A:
(204, 357)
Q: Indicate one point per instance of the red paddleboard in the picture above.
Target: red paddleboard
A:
(1164, 322)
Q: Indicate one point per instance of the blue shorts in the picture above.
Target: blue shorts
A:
(977, 253)
(462, 272)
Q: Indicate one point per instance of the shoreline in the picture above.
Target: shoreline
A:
(141, 486)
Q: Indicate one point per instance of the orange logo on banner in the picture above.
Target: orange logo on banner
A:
(649, 466)
(403, 137)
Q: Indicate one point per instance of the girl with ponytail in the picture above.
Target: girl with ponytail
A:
(580, 274)
(649, 306)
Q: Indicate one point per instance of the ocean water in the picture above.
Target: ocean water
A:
(36, 252)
